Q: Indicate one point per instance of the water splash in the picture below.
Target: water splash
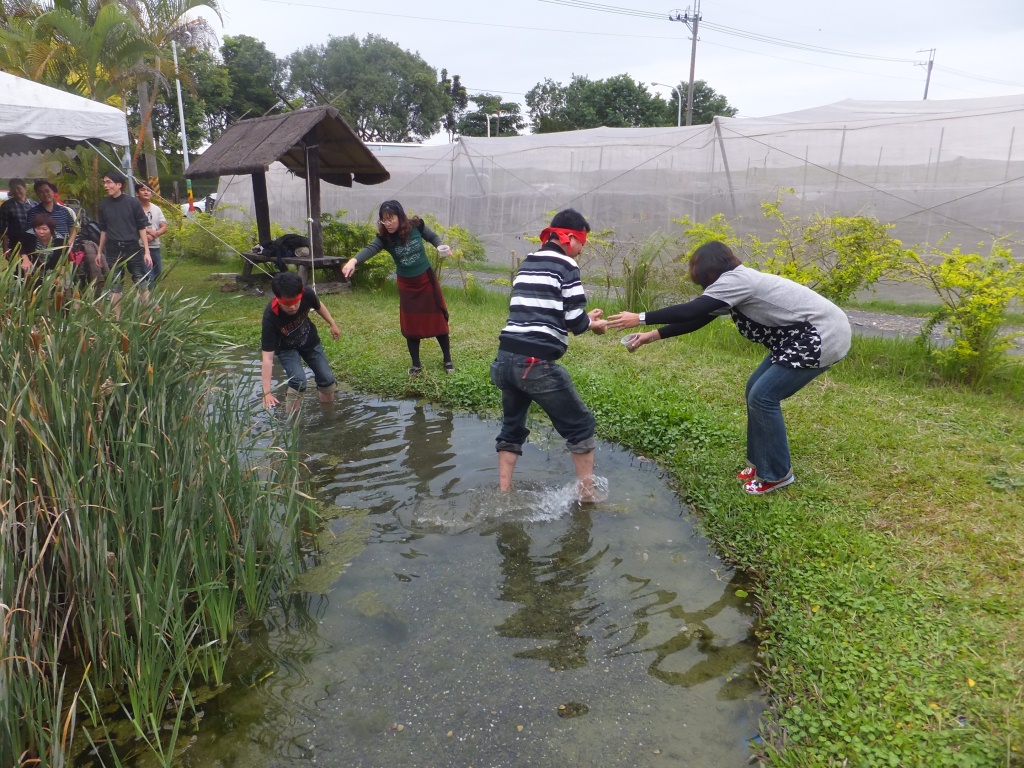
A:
(487, 507)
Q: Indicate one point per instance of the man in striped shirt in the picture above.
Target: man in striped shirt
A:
(547, 304)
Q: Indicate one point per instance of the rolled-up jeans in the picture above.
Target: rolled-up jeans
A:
(523, 380)
(291, 361)
(767, 443)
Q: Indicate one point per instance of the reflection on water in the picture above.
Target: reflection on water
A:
(443, 623)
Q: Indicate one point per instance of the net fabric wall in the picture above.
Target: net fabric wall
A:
(929, 167)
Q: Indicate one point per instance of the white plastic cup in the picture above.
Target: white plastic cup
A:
(627, 341)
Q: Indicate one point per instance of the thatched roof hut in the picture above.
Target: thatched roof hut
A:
(315, 144)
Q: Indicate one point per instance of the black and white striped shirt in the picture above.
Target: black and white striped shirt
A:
(547, 304)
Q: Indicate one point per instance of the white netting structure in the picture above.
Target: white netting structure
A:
(929, 167)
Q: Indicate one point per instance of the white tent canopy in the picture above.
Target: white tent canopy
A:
(36, 118)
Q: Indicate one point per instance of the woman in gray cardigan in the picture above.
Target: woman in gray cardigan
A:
(804, 332)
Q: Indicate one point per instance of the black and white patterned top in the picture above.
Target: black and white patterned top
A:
(801, 328)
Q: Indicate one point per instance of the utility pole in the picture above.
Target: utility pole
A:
(928, 66)
(184, 135)
(691, 21)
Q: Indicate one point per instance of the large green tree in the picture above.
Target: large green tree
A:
(163, 23)
(257, 78)
(707, 104)
(509, 120)
(616, 102)
(458, 101)
(206, 93)
(83, 46)
(386, 93)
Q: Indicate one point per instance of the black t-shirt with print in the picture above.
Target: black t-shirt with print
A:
(284, 331)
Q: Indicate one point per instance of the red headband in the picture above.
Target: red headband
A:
(277, 303)
(563, 235)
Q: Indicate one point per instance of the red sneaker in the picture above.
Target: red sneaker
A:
(747, 474)
(761, 487)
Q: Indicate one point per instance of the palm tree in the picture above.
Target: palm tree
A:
(161, 22)
(96, 48)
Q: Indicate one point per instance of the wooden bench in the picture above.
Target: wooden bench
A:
(332, 264)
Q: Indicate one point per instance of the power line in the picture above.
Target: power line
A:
(391, 17)
(591, 6)
(982, 78)
(584, 4)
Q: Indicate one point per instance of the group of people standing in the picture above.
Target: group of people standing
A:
(804, 333)
(35, 230)
(40, 233)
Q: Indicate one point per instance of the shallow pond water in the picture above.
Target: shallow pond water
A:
(442, 623)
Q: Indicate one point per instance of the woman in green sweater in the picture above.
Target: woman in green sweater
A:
(422, 309)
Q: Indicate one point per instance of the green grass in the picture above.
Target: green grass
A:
(890, 573)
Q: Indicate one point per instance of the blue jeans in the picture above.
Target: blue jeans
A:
(291, 361)
(767, 444)
(158, 264)
(549, 385)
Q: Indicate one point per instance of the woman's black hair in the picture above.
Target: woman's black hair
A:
(286, 285)
(405, 224)
(710, 261)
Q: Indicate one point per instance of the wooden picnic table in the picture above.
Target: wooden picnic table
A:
(332, 264)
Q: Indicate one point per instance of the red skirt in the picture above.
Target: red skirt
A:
(421, 306)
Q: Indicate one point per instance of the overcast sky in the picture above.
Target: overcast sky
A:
(508, 46)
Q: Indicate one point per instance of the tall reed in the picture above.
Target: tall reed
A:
(142, 517)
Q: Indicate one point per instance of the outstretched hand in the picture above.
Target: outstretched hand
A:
(640, 339)
(597, 325)
(624, 320)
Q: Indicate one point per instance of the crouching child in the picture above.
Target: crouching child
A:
(289, 334)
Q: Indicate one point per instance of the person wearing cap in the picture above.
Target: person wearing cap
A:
(14, 217)
(547, 304)
(421, 306)
(290, 336)
(46, 193)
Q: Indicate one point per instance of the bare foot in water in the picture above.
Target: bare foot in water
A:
(588, 493)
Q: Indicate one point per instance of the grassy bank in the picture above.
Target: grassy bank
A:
(890, 572)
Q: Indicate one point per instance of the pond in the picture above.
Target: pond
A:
(443, 623)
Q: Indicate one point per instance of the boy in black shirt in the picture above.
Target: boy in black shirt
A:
(289, 334)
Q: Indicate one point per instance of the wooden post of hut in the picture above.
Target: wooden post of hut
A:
(316, 230)
(261, 202)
